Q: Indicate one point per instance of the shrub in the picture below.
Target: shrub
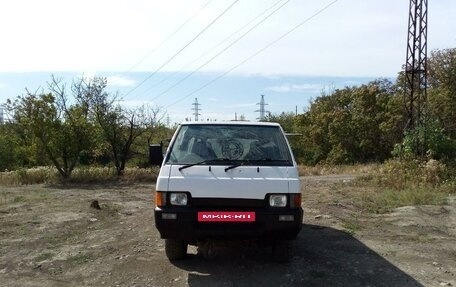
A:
(427, 140)
(411, 173)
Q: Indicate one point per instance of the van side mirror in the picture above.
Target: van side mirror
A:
(155, 154)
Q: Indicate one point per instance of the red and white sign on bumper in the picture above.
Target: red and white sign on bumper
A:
(224, 216)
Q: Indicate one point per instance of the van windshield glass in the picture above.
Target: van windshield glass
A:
(229, 144)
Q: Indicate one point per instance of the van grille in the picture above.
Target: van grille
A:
(228, 203)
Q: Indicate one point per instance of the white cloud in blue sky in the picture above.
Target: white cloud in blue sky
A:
(120, 81)
(287, 87)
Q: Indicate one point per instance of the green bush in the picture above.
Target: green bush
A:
(427, 140)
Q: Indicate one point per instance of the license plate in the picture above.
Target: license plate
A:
(225, 216)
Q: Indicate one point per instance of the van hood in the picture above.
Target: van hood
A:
(249, 182)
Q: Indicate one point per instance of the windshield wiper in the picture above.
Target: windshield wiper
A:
(193, 164)
(250, 161)
(203, 162)
(234, 166)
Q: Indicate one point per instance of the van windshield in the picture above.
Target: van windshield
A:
(230, 144)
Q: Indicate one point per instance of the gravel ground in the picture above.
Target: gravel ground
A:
(51, 236)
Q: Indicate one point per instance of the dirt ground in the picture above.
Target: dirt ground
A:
(50, 236)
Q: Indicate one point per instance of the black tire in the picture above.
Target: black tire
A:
(208, 250)
(282, 250)
(175, 249)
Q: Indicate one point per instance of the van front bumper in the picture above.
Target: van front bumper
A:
(270, 223)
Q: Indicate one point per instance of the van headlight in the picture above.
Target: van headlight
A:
(178, 198)
(278, 200)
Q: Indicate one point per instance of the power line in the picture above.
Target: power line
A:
(169, 37)
(215, 46)
(183, 48)
(220, 52)
(256, 53)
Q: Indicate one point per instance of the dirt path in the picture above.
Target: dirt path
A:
(52, 237)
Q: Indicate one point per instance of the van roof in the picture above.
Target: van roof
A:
(237, 123)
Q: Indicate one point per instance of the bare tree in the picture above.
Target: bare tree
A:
(120, 126)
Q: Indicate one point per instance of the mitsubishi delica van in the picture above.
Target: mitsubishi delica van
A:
(228, 181)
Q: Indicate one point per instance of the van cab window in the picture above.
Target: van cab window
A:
(222, 144)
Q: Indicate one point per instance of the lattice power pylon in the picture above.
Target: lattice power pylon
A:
(262, 109)
(196, 109)
(1, 115)
(416, 65)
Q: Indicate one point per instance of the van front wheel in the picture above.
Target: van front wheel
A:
(175, 249)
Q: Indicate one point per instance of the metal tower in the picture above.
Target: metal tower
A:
(416, 65)
(262, 110)
(1, 115)
(196, 109)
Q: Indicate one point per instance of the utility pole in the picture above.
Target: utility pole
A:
(196, 109)
(416, 67)
(262, 110)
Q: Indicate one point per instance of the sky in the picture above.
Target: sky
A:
(225, 53)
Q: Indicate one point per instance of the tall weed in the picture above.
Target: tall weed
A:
(305, 170)
(402, 174)
(90, 174)
(386, 200)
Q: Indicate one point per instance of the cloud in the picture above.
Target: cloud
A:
(2, 85)
(352, 83)
(136, 103)
(119, 81)
(287, 87)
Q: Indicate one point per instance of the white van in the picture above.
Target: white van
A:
(224, 181)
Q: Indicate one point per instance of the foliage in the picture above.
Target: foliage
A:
(82, 125)
(431, 138)
(442, 92)
(61, 130)
(360, 124)
(286, 120)
(120, 127)
(10, 153)
(354, 124)
(366, 123)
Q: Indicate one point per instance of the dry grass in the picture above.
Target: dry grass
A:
(48, 175)
(382, 201)
(380, 188)
(29, 176)
(359, 169)
(406, 174)
(406, 183)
